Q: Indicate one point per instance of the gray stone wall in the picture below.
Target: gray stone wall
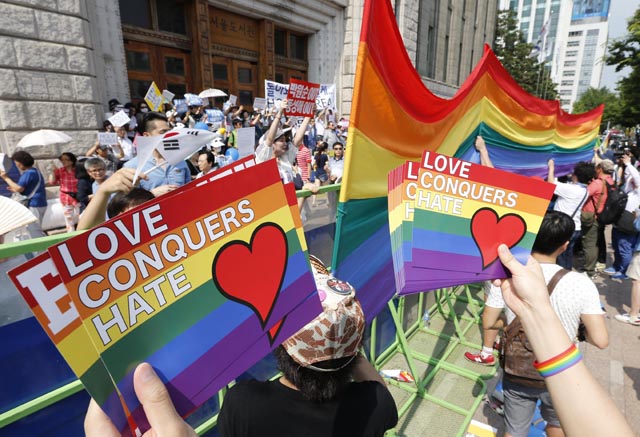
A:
(47, 74)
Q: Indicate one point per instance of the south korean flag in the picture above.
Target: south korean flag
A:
(174, 146)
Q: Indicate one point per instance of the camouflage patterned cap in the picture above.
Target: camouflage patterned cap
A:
(337, 332)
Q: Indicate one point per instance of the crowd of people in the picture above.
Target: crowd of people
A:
(309, 152)
(343, 385)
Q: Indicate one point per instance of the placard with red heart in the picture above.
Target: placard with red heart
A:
(252, 273)
(489, 232)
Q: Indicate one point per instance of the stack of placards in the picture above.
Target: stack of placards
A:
(447, 218)
(201, 283)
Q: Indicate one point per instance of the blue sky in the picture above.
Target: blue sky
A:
(619, 12)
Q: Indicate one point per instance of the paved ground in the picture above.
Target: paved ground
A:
(617, 367)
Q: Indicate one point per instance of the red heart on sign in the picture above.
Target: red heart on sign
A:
(489, 232)
(252, 273)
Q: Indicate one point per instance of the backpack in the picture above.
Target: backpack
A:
(614, 205)
(516, 353)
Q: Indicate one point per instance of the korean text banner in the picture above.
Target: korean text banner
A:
(394, 118)
(200, 290)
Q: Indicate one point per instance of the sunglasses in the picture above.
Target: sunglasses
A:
(337, 148)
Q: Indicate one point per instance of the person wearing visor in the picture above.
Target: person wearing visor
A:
(327, 388)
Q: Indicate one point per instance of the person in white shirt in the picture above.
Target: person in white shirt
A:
(128, 149)
(574, 299)
(570, 198)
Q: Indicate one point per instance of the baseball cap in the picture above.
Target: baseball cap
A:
(606, 165)
(336, 332)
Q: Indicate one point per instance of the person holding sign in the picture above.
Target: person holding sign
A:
(574, 299)
(328, 388)
(164, 177)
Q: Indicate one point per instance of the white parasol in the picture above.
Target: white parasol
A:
(43, 137)
(212, 93)
(13, 215)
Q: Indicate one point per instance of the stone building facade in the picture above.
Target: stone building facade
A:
(62, 60)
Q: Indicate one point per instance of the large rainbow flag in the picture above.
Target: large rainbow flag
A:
(395, 118)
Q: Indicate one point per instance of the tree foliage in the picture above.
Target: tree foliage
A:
(625, 52)
(594, 97)
(516, 56)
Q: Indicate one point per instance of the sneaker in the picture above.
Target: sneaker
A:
(610, 271)
(601, 266)
(479, 359)
(625, 318)
(621, 276)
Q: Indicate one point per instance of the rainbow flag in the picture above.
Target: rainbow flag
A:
(201, 284)
(395, 118)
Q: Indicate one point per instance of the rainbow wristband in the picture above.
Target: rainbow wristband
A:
(559, 363)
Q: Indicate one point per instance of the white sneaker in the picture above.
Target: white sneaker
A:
(626, 318)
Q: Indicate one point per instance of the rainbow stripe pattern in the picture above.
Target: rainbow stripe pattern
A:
(395, 118)
(201, 284)
(446, 221)
(559, 363)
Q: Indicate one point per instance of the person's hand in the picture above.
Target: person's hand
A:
(480, 144)
(526, 289)
(122, 180)
(3, 174)
(163, 189)
(551, 164)
(241, 108)
(155, 400)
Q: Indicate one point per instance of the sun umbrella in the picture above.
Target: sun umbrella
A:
(13, 215)
(43, 137)
(212, 92)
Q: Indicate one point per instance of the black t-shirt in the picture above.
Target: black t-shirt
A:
(255, 408)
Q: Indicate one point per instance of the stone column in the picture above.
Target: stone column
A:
(48, 74)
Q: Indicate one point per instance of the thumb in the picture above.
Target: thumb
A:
(154, 397)
(509, 261)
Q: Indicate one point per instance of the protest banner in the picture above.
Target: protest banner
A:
(107, 138)
(447, 218)
(274, 93)
(215, 117)
(326, 97)
(153, 97)
(139, 287)
(120, 118)
(232, 100)
(246, 140)
(167, 96)
(259, 103)
(180, 105)
(193, 100)
(301, 98)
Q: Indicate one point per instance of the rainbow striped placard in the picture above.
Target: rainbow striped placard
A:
(409, 278)
(464, 211)
(201, 284)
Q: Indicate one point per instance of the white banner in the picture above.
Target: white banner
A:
(107, 138)
(119, 119)
(246, 139)
(275, 92)
(326, 97)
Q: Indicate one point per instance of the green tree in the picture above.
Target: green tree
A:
(625, 52)
(519, 59)
(594, 97)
